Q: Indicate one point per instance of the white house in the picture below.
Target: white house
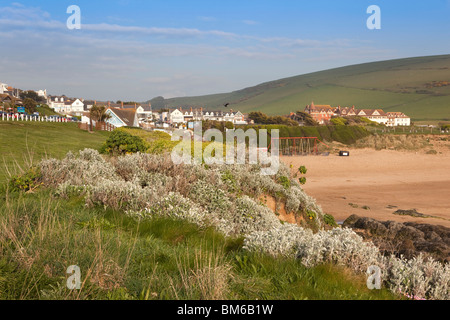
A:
(396, 119)
(176, 116)
(42, 93)
(56, 103)
(200, 115)
(65, 105)
(378, 115)
(239, 118)
(77, 107)
(144, 112)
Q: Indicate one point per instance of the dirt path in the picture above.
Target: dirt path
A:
(383, 180)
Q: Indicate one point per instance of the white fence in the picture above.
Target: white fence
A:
(22, 117)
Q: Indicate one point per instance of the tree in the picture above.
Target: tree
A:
(30, 105)
(261, 118)
(98, 114)
(31, 95)
(258, 117)
(305, 118)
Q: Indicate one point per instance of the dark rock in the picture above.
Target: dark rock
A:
(350, 221)
(442, 231)
(409, 233)
(371, 225)
(437, 248)
(393, 227)
(432, 236)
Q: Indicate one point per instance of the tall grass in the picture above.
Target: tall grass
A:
(394, 142)
(120, 258)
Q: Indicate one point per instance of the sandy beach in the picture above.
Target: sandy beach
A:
(383, 181)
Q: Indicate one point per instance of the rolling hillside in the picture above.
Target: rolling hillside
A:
(420, 87)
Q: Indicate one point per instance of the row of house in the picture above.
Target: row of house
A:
(323, 114)
(123, 116)
(134, 116)
(178, 116)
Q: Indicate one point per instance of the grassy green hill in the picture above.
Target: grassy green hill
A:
(25, 141)
(420, 87)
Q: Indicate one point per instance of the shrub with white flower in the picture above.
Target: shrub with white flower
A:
(173, 205)
(250, 216)
(213, 199)
(86, 169)
(418, 278)
(278, 241)
(120, 195)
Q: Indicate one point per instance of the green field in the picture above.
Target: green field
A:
(397, 85)
(22, 142)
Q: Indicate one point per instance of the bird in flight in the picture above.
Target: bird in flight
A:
(226, 105)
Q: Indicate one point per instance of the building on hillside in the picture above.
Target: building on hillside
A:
(3, 88)
(56, 102)
(176, 117)
(76, 107)
(145, 112)
(221, 116)
(323, 114)
(8, 102)
(378, 115)
(122, 117)
(13, 92)
(64, 105)
(42, 93)
(345, 112)
(396, 119)
(320, 113)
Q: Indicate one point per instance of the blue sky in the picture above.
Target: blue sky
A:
(137, 49)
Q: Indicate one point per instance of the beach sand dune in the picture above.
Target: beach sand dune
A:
(377, 183)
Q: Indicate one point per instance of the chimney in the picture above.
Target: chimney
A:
(122, 104)
(109, 104)
(135, 107)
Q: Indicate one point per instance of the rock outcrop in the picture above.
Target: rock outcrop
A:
(408, 239)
